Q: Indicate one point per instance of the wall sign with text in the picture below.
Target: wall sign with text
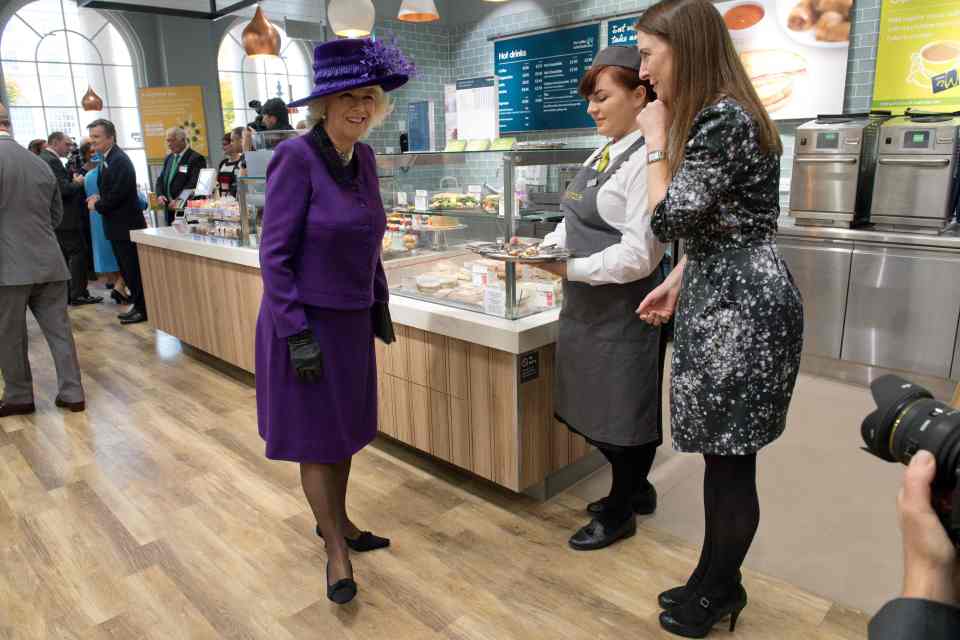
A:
(162, 108)
(538, 76)
(918, 56)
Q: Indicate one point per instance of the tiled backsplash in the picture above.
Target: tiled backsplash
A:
(444, 55)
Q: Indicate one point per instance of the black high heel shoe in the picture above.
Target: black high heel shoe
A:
(118, 297)
(697, 616)
(679, 595)
(342, 591)
(366, 541)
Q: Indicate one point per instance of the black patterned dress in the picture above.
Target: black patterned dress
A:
(739, 328)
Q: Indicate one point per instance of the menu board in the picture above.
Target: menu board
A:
(918, 57)
(538, 77)
(620, 33)
(795, 52)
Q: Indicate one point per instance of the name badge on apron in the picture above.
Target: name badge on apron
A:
(592, 182)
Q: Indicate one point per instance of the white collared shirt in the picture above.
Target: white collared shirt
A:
(5, 134)
(622, 203)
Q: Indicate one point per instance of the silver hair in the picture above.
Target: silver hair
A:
(317, 109)
(178, 132)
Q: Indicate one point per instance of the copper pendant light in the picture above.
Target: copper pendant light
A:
(91, 101)
(260, 38)
(418, 11)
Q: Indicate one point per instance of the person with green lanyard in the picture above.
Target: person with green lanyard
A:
(181, 170)
(609, 363)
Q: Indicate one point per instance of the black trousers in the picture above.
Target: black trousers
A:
(129, 262)
(74, 249)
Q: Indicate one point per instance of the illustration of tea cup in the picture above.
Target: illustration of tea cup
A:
(933, 59)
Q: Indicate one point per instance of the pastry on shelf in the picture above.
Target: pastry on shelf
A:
(491, 204)
(409, 241)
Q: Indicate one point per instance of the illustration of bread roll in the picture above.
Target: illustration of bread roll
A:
(774, 91)
(802, 17)
(832, 27)
(842, 7)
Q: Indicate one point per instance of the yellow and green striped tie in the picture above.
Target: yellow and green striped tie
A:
(604, 159)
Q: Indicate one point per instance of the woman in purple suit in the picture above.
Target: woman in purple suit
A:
(325, 291)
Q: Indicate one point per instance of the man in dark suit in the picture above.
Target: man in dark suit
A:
(119, 204)
(70, 233)
(181, 170)
(32, 276)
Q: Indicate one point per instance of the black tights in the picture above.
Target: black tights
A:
(630, 466)
(732, 513)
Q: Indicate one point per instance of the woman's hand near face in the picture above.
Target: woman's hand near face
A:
(654, 121)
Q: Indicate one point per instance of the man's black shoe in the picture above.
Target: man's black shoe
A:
(87, 299)
(135, 318)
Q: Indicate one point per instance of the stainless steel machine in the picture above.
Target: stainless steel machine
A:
(918, 173)
(833, 169)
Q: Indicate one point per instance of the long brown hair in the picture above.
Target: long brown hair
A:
(706, 67)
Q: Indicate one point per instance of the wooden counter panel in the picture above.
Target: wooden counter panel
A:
(458, 401)
(208, 304)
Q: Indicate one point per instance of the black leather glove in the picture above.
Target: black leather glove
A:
(382, 322)
(305, 356)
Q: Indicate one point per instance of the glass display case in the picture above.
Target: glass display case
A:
(439, 203)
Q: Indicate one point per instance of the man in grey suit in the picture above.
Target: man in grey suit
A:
(33, 275)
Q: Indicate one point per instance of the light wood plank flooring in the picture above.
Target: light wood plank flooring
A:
(155, 515)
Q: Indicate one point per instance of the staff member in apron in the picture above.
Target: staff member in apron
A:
(609, 362)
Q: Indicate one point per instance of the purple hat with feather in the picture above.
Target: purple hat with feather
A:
(346, 64)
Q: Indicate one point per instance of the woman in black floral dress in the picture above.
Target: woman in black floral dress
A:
(713, 180)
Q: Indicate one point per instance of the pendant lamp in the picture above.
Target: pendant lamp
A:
(91, 101)
(418, 11)
(260, 38)
(351, 18)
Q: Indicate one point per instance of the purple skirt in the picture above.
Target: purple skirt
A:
(329, 421)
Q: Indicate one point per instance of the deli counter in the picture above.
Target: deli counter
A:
(470, 378)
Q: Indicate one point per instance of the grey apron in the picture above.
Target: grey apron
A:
(608, 386)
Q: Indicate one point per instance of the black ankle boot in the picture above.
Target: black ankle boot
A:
(644, 502)
(696, 617)
(679, 595)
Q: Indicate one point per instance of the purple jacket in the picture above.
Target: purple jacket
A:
(320, 241)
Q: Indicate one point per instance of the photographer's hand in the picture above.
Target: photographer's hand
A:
(930, 559)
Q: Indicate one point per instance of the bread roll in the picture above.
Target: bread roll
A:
(832, 27)
(802, 18)
(842, 7)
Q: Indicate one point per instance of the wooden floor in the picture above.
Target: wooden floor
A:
(155, 515)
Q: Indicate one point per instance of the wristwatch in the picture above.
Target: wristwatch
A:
(656, 156)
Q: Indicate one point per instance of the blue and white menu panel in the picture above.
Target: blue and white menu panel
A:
(538, 78)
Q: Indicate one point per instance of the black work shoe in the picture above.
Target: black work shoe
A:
(596, 535)
(88, 299)
(644, 502)
(134, 318)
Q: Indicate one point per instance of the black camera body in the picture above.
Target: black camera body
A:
(909, 419)
(257, 124)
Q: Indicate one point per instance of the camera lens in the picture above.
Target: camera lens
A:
(908, 419)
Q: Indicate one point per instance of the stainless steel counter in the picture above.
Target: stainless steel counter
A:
(877, 301)
(872, 236)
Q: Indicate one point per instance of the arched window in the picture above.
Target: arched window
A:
(243, 78)
(51, 52)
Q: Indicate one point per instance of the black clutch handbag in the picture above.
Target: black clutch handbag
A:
(382, 322)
